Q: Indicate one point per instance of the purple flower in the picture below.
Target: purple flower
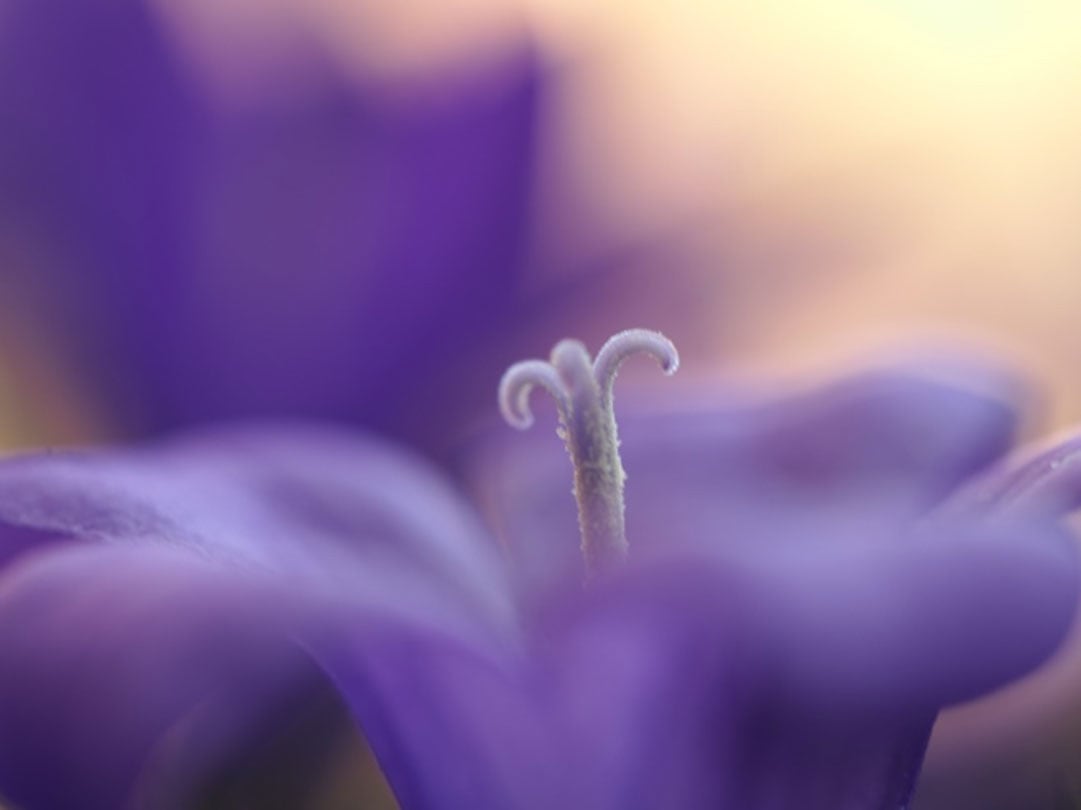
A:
(796, 605)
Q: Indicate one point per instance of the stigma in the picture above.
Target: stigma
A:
(582, 389)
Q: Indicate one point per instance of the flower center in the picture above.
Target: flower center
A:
(582, 389)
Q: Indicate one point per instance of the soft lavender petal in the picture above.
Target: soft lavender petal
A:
(1047, 479)
(954, 612)
(867, 455)
(333, 512)
(247, 540)
(801, 678)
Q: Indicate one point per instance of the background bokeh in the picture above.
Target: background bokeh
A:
(781, 186)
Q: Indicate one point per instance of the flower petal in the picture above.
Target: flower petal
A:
(866, 453)
(142, 584)
(1045, 479)
(106, 650)
(956, 611)
(272, 256)
(739, 678)
(334, 513)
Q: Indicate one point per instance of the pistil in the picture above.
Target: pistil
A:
(582, 389)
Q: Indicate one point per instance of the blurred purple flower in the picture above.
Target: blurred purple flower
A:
(326, 248)
(796, 609)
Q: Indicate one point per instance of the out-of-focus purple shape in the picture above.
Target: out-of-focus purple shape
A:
(864, 454)
(1019, 752)
(801, 663)
(330, 250)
